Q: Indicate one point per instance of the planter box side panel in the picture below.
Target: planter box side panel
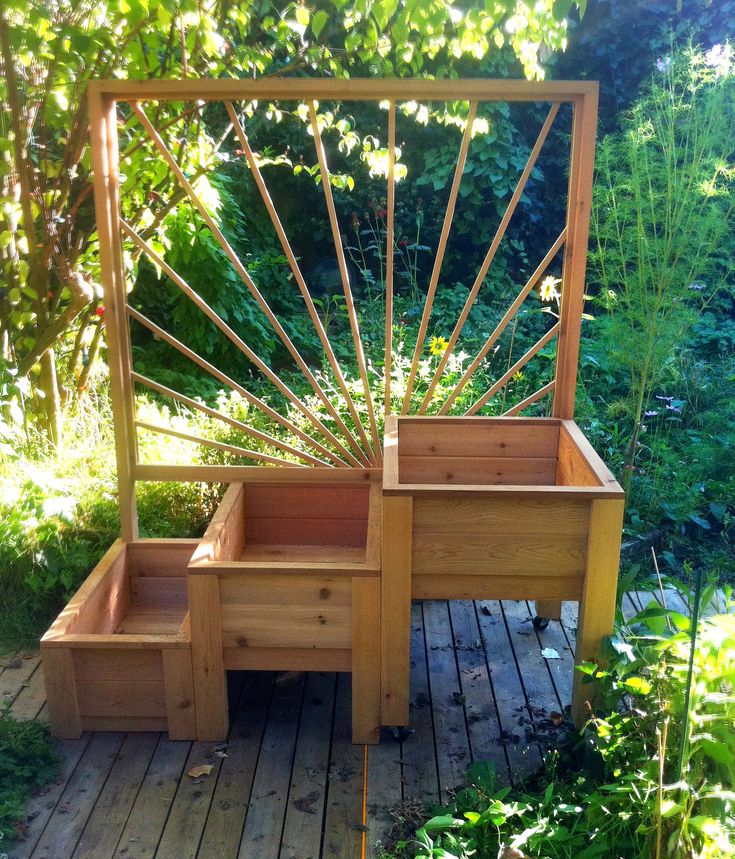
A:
(223, 539)
(164, 558)
(484, 453)
(100, 602)
(108, 694)
(572, 468)
(286, 611)
(499, 548)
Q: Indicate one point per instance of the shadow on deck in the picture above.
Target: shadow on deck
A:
(289, 784)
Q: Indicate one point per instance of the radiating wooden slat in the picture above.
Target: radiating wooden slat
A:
(529, 400)
(349, 300)
(508, 375)
(213, 413)
(503, 324)
(226, 330)
(439, 258)
(494, 245)
(298, 276)
(226, 380)
(240, 269)
(389, 253)
(217, 445)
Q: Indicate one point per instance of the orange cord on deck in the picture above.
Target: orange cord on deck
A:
(364, 801)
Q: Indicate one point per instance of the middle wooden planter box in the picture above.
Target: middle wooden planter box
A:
(287, 577)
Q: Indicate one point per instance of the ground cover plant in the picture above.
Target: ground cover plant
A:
(28, 761)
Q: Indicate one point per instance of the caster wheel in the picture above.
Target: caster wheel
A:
(400, 733)
(540, 622)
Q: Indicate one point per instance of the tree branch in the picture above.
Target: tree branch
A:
(82, 294)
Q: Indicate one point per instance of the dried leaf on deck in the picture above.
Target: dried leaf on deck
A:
(201, 770)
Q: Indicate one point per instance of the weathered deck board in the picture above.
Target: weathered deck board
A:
(142, 832)
(450, 729)
(231, 797)
(523, 758)
(288, 784)
(76, 804)
(302, 826)
(268, 800)
(483, 726)
(112, 809)
(343, 818)
(419, 771)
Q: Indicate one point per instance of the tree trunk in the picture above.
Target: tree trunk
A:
(48, 383)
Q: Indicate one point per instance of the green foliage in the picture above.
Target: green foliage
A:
(59, 516)
(662, 221)
(48, 246)
(28, 761)
(638, 783)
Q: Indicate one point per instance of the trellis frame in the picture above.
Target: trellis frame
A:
(103, 99)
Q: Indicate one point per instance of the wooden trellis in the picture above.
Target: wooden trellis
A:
(361, 446)
(314, 556)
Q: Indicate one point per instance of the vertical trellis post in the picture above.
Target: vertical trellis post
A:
(105, 161)
(581, 171)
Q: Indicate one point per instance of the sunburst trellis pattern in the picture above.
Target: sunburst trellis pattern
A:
(328, 435)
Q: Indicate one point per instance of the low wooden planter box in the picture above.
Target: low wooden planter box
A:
(287, 577)
(118, 658)
(494, 508)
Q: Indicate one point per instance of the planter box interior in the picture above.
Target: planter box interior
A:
(494, 452)
(309, 523)
(119, 655)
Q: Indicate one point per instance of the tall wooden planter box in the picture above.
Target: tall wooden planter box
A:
(118, 658)
(494, 508)
(287, 577)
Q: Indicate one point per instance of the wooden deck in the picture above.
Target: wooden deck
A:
(289, 784)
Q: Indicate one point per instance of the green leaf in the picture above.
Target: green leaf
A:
(637, 685)
(561, 9)
(441, 822)
(717, 752)
(669, 808)
(318, 22)
(303, 16)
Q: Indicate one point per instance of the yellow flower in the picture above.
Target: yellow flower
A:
(548, 290)
(518, 377)
(438, 345)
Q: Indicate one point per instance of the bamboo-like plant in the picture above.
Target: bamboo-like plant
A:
(663, 213)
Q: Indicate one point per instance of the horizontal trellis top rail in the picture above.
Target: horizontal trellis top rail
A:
(348, 89)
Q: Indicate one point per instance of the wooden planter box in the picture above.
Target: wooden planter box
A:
(494, 508)
(287, 577)
(118, 658)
